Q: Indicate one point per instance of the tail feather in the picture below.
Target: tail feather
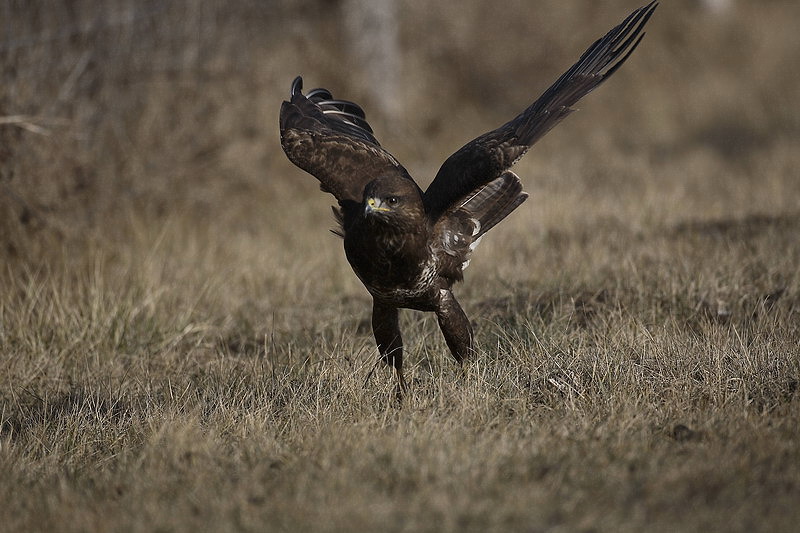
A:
(494, 201)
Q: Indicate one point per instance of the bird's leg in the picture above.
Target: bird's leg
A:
(386, 328)
(455, 326)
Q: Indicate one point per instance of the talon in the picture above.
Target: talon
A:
(369, 375)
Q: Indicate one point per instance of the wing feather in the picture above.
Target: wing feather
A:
(483, 159)
(460, 230)
(331, 140)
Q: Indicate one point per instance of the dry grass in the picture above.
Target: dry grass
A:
(184, 345)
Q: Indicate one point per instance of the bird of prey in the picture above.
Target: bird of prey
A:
(409, 247)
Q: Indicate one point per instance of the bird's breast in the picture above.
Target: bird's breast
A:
(398, 268)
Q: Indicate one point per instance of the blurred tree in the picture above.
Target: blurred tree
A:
(372, 29)
(717, 6)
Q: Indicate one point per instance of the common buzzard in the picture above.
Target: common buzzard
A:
(409, 247)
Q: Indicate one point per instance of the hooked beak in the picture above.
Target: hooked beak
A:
(373, 205)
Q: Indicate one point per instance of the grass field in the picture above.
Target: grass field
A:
(183, 345)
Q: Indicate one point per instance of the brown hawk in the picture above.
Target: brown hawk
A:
(410, 247)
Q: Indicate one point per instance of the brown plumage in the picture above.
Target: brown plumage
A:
(407, 246)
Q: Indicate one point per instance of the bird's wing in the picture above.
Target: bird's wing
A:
(331, 140)
(483, 159)
(461, 228)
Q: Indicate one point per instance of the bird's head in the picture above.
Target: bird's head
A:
(393, 200)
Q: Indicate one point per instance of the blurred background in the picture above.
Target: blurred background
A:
(121, 113)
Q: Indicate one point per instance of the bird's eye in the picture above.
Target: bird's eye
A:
(392, 200)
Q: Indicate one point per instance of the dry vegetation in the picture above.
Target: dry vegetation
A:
(183, 345)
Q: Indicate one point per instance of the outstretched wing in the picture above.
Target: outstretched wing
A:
(485, 158)
(331, 140)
